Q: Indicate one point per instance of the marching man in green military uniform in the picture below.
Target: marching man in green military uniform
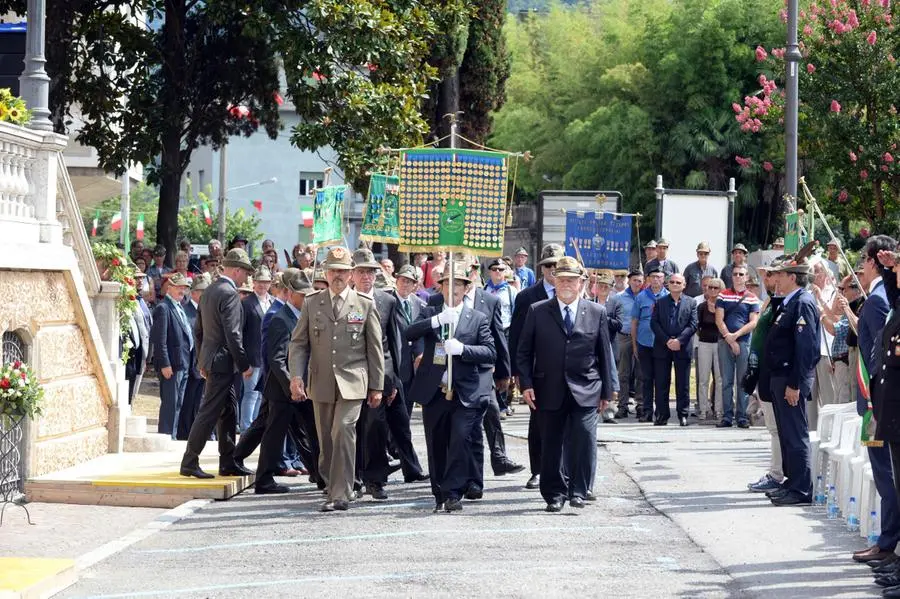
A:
(338, 341)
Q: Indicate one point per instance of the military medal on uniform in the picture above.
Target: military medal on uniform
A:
(355, 318)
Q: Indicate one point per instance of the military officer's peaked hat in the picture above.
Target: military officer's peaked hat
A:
(364, 258)
(568, 267)
(460, 273)
(551, 254)
(338, 258)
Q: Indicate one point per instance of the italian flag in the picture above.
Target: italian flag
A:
(306, 212)
(206, 215)
(96, 222)
(139, 232)
(116, 224)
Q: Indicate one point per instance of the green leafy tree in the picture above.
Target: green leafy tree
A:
(144, 200)
(849, 128)
(192, 223)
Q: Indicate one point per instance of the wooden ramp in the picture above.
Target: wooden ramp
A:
(135, 480)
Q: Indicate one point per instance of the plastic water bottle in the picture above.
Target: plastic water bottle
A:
(831, 508)
(819, 497)
(852, 516)
(874, 526)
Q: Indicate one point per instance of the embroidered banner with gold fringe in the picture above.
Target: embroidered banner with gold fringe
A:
(381, 219)
(328, 214)
(453, 200)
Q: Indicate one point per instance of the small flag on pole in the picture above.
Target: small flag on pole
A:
(306, 212)
(96, 222)
(139, 232)
(116, 224)
(258, 205)
(206, 215)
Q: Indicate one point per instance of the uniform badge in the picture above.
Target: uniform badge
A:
(355, 318)
(440, 355)
(801, 321)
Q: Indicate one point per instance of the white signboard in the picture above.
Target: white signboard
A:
(689, 219)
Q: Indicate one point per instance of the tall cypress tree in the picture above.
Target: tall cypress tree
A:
(484, 70)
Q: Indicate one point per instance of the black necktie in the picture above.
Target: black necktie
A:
(407, 309)
(568, 321)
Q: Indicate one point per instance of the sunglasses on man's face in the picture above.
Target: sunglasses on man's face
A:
(740, 274)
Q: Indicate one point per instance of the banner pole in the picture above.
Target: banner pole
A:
(452, 280)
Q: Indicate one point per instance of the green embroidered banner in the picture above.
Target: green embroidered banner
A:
(381, 220)
(791, 233)
(453, 200)
(328, 214)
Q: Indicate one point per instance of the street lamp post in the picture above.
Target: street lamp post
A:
(34, 84)
(223, 193)
(792, 100)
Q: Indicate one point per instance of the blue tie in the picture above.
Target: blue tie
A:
(567, 320)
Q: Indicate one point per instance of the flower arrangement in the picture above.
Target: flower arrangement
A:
(114, 266)
(20, 391)
(12, 108)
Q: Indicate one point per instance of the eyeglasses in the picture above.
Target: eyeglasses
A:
(676, 282)
(713, 287)
(739, 274)
(498, 269)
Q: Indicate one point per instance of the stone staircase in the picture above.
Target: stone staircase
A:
(140, 439)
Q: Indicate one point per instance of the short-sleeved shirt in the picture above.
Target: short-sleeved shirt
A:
(642, 311)
(527, 276)
(738, 307)
(626, 299)
(694, 274)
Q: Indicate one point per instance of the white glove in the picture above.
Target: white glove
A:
(448, 316)
(454, 347)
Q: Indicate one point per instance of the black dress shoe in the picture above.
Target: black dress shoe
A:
(886, 565)
(609, 421)
(554, 506)
(891, 592)
(589, 496)
(888, 580)
(577, 502)
(273, 489)
(341, 505)
(723, 424)
(534, 482)
(621, 415)
(377, 492)
(891, 568)
(508, 467)
(473, 492)
(453, 505)
(328, 506)
(790, 498)
(438, 507)
(645, 419)
(195, 472)
(417, 478)
(682, 420)
(660, 422)
(776, 493)
(235, 470)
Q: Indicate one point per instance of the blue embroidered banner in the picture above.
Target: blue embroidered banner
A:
(602, 239)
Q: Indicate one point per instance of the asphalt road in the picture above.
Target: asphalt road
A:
(504, 545)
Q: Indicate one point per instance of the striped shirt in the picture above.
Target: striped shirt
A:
(738, 307)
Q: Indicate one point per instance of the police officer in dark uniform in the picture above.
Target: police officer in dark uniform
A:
(791, 355)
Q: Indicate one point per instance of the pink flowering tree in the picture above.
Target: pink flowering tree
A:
(849, 97)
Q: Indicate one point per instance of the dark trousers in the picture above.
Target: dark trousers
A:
(381, 424)
(886, 472)
(397, 415)
(793, 435)
(645, 355)
(466, 453)
(493, 431)
(278, 417)
(534, 443)
(409, 401)
(171, 396)
(567, 438)
(302, 431)
(218, 410)
(663, 371)
(193, 394)
(436, 418)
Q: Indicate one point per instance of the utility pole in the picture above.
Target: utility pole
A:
(222, 192)
(792, 100)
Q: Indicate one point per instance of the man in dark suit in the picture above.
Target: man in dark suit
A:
(792, 352)
(872, 318)
(278, 407)
(218, 333)
(194, 391)
(172, 346)
(674, 322)
(452, 426)
(255, 307)
(545, 288)
(478, 300)
(409, 305)
(566, 376)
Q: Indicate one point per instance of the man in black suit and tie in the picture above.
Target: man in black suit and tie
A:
(194, 391)
(674, 322)
(545, 288)
(409, 305)
(566, 376)
(255, 307)
(172, 344)
(218, 333)
(374, 423)
(452, 426)
(278, 407)
(476, 298)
